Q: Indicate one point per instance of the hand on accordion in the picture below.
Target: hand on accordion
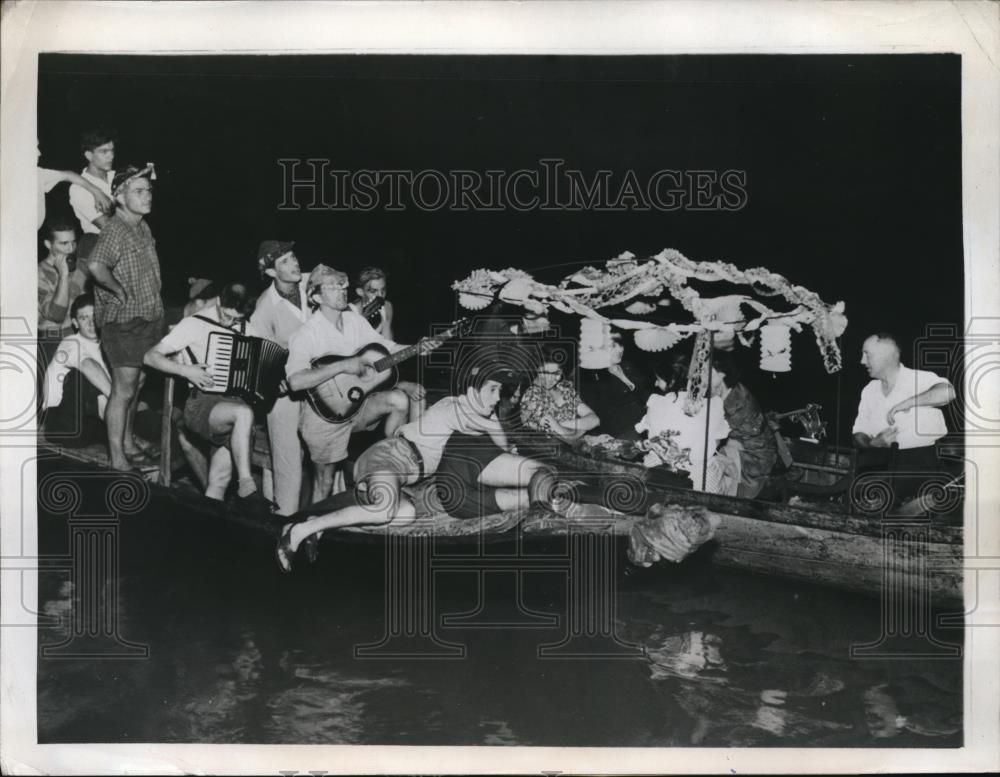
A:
(198, 375)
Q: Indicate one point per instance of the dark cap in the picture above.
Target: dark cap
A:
(270, 251)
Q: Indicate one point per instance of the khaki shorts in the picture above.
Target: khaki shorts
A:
(326, 442)
(394, 456)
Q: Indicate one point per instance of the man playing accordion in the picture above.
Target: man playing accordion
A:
(224, 422)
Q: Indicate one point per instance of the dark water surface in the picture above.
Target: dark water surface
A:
(239, 653)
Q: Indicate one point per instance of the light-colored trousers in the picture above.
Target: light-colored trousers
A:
(286, 453)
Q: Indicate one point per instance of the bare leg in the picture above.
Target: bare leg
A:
(508, 470)
(220, 472)
(131, 449)
(124, 389)
(393, 405)
(417, 396)
(196, 460)
(512, 498)
(236, 419)
(386, 504)
(323, 480)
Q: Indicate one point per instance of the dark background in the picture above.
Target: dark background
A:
(853, 170)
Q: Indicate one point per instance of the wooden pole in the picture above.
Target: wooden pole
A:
(708, 408)
(166, 424)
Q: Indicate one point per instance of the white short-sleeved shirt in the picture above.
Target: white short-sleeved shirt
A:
(431, 432)
(666, 412)
(918, 427)
(69, 355)
(319, 337)
(47, 180)
(277, 318)
(83, 201)
(192, 333)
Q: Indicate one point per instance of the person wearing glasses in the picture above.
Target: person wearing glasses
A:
(335, 329)
(551, 404)
(224, 422)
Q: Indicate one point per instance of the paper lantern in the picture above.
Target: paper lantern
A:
(775, 348)
(595, 344)
(474, 301)
(656, 339)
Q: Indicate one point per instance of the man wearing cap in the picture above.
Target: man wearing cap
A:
(280, 311)
(129, 310)
(335, 329)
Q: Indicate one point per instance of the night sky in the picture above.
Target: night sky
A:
(853, 168)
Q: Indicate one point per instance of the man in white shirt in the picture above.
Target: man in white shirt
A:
(77, 382)
(899, 407)
(98, 147)
(225, 422)
(334, 329)
(280, 311)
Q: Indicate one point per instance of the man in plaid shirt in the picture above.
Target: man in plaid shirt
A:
(129, 310)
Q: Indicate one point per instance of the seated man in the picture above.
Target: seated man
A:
(61, 279)
(336, 330)
(77, 382)
(225, 422)
(460, 439)
(899, 407)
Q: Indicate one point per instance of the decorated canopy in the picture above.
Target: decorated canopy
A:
(644, 286)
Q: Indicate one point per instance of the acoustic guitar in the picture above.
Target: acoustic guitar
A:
(339, 399)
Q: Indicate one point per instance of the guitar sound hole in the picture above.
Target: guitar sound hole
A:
(355, 394)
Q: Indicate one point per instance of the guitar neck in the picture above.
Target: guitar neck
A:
(401, 356)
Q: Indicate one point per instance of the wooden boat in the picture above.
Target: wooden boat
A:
(824, 543)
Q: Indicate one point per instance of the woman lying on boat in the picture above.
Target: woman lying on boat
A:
(461, 442)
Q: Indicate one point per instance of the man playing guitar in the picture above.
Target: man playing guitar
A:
(335, 329)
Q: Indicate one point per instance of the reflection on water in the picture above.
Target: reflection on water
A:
(240, 654)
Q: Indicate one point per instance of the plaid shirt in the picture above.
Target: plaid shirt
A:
(130, 254)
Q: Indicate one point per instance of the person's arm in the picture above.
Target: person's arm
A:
(387, 320)
(54, 308)
(491, 426)
(158, 358)
(97, 375)
(311, 377)
(938, 395)
(102, 202)
(586, 419)
(883, 439)
(103, 276)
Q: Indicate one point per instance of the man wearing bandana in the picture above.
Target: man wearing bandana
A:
(335, 329)
(129, 310)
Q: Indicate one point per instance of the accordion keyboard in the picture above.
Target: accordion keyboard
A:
(219, 359)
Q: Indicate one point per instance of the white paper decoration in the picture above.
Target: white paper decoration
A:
(775, 348)
(474, 301)
(595, 344)
(656, 339)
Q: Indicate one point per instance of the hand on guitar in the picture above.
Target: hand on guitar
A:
(355, 365)
(198, 375)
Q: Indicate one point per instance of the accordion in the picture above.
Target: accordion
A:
(249, 368)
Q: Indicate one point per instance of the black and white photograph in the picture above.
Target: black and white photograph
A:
(468, 379)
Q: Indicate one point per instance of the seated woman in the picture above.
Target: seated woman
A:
(551, 404)
(749, 430)
(665, 413)
(617, 394)
(77, 382)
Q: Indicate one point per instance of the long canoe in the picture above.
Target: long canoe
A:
(912, 555)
